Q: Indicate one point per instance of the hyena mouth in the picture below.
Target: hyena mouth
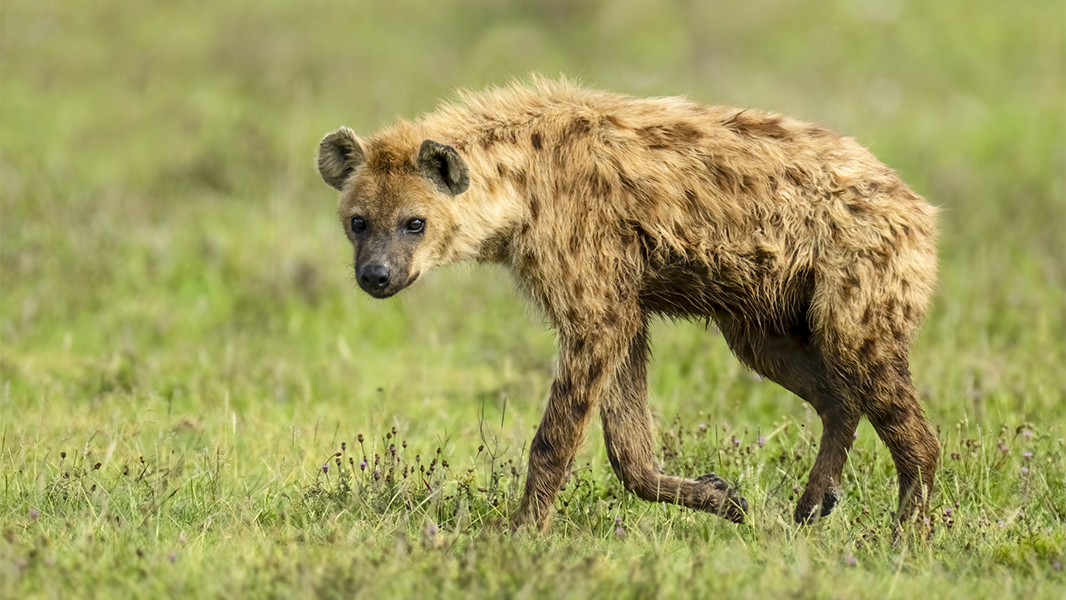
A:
(387, 291)
(381, 294)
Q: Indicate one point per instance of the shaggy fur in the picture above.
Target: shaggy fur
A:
(813, 258)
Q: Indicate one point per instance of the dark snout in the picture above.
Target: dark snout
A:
(374, 279)
(382, 281)
(383, 264)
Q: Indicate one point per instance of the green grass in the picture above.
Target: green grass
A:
(177, 308)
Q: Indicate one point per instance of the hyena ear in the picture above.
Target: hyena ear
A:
(443, 166)
(339, 153)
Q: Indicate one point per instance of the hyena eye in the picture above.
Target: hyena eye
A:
(358, 224)
(416, 225)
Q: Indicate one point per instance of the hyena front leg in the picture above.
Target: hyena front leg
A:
(630, 436)
(589, 358)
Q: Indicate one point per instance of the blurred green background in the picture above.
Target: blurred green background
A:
(164, 232)
(174, 287)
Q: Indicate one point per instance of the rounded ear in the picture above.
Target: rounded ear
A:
(339, 153)
(444, 167)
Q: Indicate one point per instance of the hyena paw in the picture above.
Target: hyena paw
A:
(809, 509)
(723, 500)
(528, 519)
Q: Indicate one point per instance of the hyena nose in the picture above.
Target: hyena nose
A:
(374, 277)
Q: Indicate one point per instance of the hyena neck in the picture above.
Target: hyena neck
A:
(505, 136)
(494, 208)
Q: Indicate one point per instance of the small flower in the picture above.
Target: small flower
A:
(1003, 448)
(762, 440)
(1027, 434)
(362, 465)
(948, 512)
(851, 561)
(34, 514)
(325, 468)
(1056, 565)
(1002, 524)
(173, 557)
(1025, 470)
(703, 427)
(1027, 455)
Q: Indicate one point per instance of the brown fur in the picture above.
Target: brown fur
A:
(815, 261)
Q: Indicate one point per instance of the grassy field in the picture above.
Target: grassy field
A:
(191, 382)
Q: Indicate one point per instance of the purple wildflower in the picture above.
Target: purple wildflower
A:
(325, 468)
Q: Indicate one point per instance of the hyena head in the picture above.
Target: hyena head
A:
(395, 205)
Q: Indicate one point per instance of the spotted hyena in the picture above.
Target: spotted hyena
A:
(813, 258)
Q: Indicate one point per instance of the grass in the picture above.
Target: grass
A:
(182, 348)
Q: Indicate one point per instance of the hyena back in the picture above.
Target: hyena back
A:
(814, 259)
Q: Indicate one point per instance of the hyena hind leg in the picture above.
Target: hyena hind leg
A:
(791, 358)
(892, 405)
